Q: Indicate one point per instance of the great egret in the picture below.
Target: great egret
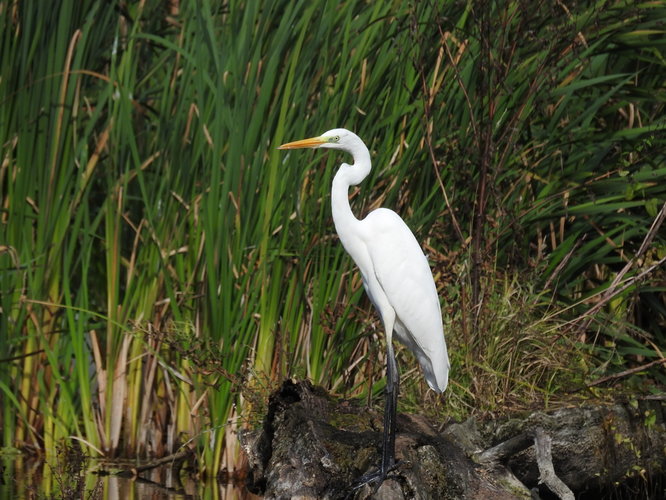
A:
(396, 277)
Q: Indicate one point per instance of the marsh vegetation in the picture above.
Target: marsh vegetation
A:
(163, 266)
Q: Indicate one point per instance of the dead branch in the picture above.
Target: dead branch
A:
(547, 476)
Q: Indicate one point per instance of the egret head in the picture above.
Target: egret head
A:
(337, 138)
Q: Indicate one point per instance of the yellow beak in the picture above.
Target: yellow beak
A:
(312, 142)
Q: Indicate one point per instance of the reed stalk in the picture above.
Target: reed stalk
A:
(163, 266)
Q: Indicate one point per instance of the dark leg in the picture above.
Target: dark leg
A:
(390, 412)
(390, 416)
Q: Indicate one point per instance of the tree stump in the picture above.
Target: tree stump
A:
(314, 446)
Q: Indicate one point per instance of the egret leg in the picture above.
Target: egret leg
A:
(390, 420)
(390, 412)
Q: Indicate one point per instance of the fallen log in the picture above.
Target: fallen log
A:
(314, 446)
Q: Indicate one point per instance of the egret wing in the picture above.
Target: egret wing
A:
(403, 272)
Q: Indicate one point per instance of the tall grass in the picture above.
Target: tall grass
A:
(163, 266)
(558, 149)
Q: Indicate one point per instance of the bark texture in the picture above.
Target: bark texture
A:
(314, 446)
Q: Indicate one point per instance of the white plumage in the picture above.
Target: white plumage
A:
(396, 277)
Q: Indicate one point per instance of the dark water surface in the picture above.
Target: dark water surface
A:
(22, 478)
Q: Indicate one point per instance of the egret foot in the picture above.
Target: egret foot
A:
(378, 477)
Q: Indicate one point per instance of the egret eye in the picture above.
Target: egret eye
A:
(335, 138)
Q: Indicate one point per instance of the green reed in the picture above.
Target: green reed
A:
(163, 266)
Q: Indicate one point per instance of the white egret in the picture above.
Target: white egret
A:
(396, 277)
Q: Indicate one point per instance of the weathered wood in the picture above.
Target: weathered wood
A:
(505, 449)
(544, 458)
(593, 446)
(313, 446)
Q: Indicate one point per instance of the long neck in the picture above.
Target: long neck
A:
(348, 175)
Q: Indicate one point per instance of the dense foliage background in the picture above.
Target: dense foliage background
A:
(163, 266)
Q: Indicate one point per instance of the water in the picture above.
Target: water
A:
(23, 478)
